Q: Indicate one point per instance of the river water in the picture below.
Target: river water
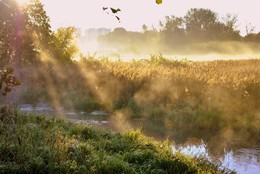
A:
(234, 153)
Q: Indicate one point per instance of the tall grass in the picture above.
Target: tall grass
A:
(210, 95)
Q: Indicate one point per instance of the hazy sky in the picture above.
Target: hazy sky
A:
(135, 13)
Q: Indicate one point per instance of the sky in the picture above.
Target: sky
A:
(134, 13)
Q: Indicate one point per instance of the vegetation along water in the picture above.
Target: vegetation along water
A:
(211, 105)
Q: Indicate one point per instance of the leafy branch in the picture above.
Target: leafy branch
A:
(8, 81)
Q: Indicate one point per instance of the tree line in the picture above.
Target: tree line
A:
(197, 26)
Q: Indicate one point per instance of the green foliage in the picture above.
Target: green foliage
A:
(9, 12)
(28, 27)
(65, 43)
(36, 144)
(39, 24)
(112, 164)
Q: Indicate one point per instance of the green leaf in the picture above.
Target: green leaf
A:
(158, 1)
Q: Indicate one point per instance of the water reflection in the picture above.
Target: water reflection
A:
(244, 160)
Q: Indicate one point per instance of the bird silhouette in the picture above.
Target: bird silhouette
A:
(115, 10)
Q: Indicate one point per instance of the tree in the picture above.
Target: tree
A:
(230, 21)
(173, 31)
(203, 24)
(252, 37)
(65, 43)
(120, 30)
(172, 24)
(199, 22)
(231, 31)
(24, 31)
(250, 29)
(38, 25)
(8, 15)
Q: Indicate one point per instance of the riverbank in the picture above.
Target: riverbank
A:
(37, 144)
(216, 96)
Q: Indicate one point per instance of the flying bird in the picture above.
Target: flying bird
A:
(115, 10)
(118, 18)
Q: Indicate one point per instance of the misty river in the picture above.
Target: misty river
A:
(237, 154)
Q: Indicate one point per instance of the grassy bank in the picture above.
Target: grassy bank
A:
(37, 144)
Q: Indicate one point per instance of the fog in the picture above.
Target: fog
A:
(140, 49)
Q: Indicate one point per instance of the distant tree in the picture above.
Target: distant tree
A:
(173, 31)
(230, 31)
(230, 20)
(120, 30)
(252, 37)
(172, 24)
(250, 29)
(203, 24)
(199, 22)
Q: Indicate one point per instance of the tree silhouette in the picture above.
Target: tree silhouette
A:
(199, 22)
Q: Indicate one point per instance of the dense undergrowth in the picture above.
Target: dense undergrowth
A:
(37, 144)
